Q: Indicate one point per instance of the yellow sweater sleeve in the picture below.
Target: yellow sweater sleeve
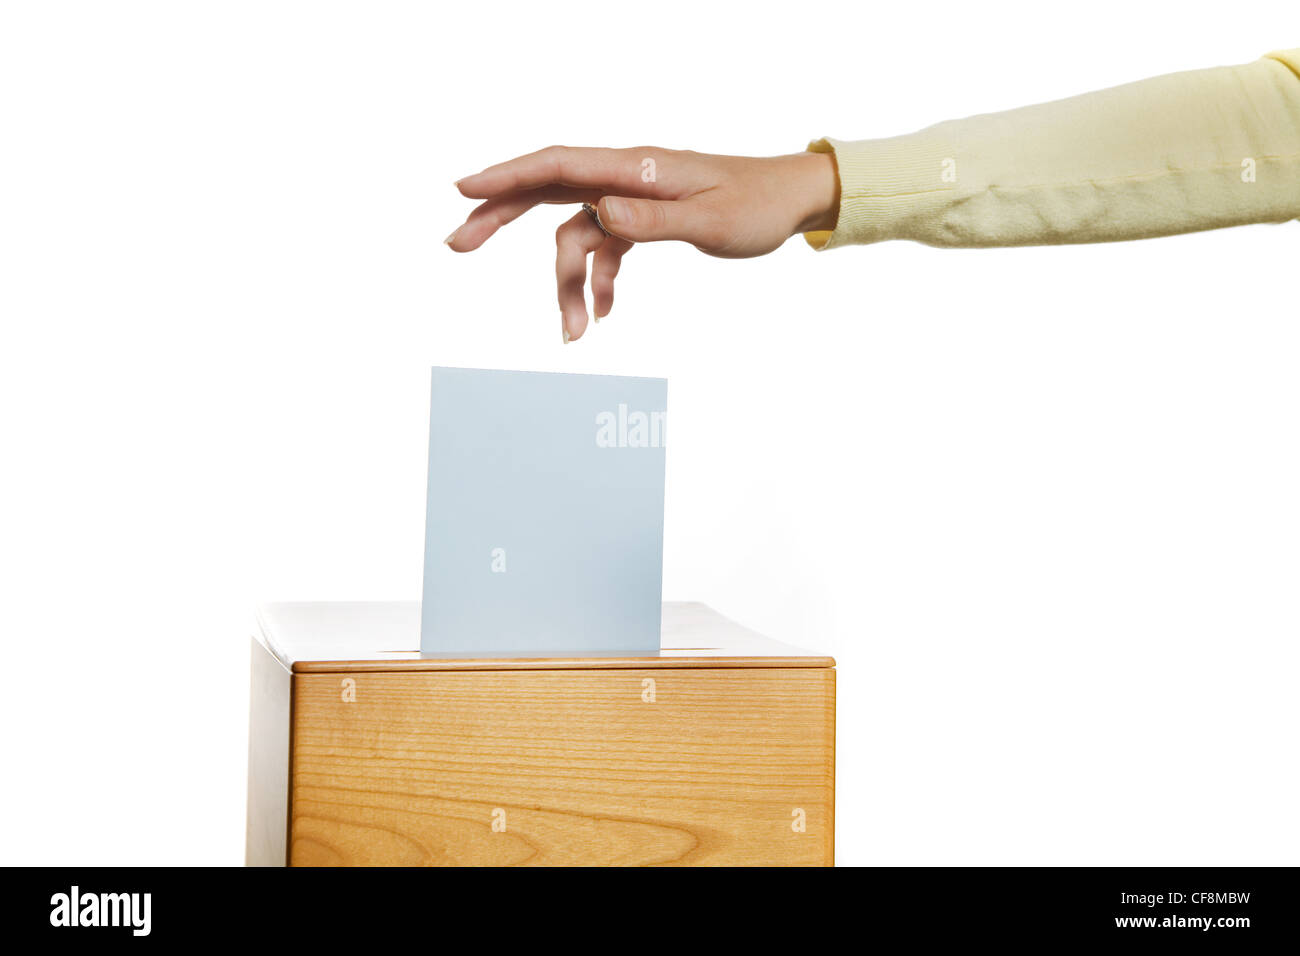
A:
(1177, 153)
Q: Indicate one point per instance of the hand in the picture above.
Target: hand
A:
(729, 206)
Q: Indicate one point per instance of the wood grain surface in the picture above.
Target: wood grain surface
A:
(564, 767)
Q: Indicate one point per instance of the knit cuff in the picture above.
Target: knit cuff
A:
(887, 186)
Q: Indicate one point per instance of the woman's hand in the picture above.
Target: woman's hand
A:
(729, 206)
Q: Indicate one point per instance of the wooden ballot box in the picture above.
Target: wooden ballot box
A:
(717, 750)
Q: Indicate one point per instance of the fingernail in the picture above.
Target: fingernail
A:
(615, 211)
(598, 320)
(457, 183)
(564, 329)
(447, 241)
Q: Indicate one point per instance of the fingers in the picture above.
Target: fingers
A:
(609, 170)
(573, 241)
(491, 215)
(691, 220)
(604, 267)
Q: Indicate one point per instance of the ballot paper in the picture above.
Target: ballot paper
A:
(544, 528)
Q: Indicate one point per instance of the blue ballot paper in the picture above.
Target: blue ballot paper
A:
(544, 529)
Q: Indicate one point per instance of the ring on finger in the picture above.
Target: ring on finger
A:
(594, 213)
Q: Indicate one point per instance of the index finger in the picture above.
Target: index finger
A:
(612, 170)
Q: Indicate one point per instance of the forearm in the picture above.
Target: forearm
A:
(1172, 154)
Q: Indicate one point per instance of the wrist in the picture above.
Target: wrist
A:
(817, 192)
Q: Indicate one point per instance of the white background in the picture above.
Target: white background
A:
(1041, 504)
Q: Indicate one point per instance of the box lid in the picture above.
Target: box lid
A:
(333, 636)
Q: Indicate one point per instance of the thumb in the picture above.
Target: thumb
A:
(653, 220)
